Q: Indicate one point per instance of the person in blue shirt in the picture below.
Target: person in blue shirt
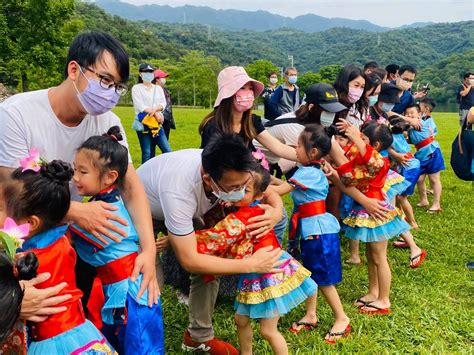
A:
(318, 230)
(286, 97)
(126, 320)
(427, 152)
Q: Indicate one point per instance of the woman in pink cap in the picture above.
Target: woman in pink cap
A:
(233, 113)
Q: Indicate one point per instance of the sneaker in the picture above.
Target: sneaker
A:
(214, 346)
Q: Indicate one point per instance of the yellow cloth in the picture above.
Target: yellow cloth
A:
(152, 123)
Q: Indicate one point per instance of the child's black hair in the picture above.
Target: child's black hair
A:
(428, 101)
(319, 137)
(398, 125)
(261, 180)
(11, 292)
(44, 194)
(111, 154)
(227, 152)
(417, 107)
(378, 133)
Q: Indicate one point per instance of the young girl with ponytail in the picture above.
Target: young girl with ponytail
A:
(37, 197)
(128, 323)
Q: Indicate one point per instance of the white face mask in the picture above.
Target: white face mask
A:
(327, 118)
(273, 80)
(163, 81)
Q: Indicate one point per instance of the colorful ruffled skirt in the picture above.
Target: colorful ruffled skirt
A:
(361, 226)
(272, 295)
(395, 184)
(80, 340)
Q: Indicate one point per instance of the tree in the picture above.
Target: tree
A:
(195, 78)
(308, 79)
(36, 35)
(329, 73)
(260, 69)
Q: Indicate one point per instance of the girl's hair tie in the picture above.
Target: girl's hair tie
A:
(114, 137)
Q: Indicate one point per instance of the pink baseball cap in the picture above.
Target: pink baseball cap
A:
(231, 79)
(160, 74)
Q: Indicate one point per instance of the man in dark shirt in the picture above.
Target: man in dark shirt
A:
(465, 96)
(286, 97)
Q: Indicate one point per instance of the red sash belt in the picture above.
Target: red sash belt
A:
(117, 270)
(107, 274)
(62, 322)
(424, 142)
(306, 210)
(409, 155)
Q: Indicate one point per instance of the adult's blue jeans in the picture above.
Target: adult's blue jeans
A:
(148, 144)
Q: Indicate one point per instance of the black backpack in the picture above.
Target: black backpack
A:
(462, 154)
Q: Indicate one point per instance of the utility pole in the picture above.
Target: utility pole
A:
(378, 41)
(290, 57)
(184, 17)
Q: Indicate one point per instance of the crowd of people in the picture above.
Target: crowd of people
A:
(191, 218)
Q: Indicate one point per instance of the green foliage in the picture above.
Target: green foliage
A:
(446, 75)
(35, 37)
(260, 69)
(307, 79)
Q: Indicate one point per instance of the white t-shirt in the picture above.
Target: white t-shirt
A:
(28, 121)
(173, 184)
(286, 133)
(142, 97)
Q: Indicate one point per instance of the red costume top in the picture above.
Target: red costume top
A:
(56, 256)
(229, 237)
(367, 173)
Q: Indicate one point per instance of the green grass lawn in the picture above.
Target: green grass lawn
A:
(432, 308)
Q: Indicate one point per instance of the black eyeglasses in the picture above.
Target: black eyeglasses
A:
(108, 83)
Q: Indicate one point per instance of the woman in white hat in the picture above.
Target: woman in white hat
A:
(233, 113)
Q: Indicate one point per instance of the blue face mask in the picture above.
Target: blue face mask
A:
(292, 79)
(148, 77)
(373, 100)
(386, 107)
(231, 196)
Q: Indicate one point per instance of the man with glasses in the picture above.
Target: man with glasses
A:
(56, 121)
(182, 187)
(404, 81)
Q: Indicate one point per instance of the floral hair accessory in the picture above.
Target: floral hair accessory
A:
(32, 162)
(12, 236)
(260, 157)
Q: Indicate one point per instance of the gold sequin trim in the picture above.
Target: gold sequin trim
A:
(371, 222)
(276, 291)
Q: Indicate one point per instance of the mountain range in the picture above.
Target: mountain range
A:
(235, 20)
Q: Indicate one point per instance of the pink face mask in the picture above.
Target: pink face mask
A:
(243, 100)
(354, 94)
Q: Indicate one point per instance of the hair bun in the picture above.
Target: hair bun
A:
(58, 171)
(114, 133)
(27, 266)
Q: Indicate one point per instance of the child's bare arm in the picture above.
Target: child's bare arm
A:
(282, 189)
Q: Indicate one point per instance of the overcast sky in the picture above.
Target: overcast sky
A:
(390, 13)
